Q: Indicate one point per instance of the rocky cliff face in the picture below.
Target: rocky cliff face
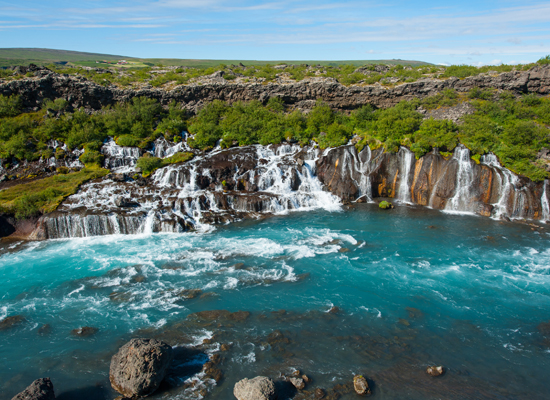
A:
(244, 182)
(454, 184)
(83, 93)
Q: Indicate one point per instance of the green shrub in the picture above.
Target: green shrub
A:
(127, 141)
(544, 60)
(385, 205)
(148, 164)
(10, 106)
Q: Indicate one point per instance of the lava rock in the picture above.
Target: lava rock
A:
(435, 370)
(258, 388)
(40, 389)
(360, 385)
(319, 393)
(11, 322)
(138, 368)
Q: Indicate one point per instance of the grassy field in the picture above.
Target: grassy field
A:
(20, 56)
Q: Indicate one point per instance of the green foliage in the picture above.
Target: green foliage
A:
(127, 141)
(56, 105)
(442, 134)
(544, 60)
(447, 98)
(10, 106)
(149, 164)
(385, 205)
(44, 195)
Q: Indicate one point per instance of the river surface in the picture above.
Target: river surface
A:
(360, 291)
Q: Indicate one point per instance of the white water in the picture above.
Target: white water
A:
(118, 158)
(461, 201)
(508, 194)
(544, 202)
(174, 199)
(406, 158)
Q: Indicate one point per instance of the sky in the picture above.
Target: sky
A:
(459, 32)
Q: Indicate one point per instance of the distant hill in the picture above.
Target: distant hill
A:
(25, 56)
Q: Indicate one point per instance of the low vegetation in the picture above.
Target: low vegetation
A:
(149, 164)
(44, 195)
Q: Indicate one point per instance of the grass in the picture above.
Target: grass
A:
(44, 195)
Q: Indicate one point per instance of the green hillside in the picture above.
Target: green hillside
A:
(23, 56)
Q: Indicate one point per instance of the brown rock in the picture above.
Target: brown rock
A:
(258, 388)
(139, 366)
(360, 385)
(40, 389)
(297, 382)
(435, 370)
(11, 322)
(319, 393)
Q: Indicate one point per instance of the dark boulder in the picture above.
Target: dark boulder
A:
(84, 331)
(11, 322)
(138, 368)
(40, 389)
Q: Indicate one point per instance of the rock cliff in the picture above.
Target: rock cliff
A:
(81, 92)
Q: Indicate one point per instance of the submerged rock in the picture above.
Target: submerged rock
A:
(40, 389)
(435, 370)
(84, 331)
(360, 385)
(11, 322)
(258, 388)
(138, 368)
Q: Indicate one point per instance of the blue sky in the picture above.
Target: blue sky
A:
(466, 32)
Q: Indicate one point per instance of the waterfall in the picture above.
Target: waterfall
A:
(192, 194)
(511, 201)
(461, 201)
(119, 158)
(544, 202)
(406, 158)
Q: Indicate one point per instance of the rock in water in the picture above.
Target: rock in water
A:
(258, 388)
(298, 383)
(360, 385)
(138, 368)
(435, 370)
(40, 389)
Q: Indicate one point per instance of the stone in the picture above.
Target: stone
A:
(319, 394)
(138, 368)
(297, 382)
(361, 385)
(84, 331)
(40, 389)
(258, 388)
(44, 330)
(11, 322)
(435, 370)
(306, 379)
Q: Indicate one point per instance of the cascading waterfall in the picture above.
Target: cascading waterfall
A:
(174, 199)
(119, 158)
(544, 202)
(511, 200)
(406, 158)
(461, 201)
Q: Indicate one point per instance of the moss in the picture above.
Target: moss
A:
(44, 195)
(476, 158)
(149, 164)
(385, 205)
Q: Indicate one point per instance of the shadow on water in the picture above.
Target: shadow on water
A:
(186, 363)
(86, 393)
(285, 390)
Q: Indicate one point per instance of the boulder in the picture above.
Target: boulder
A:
(40, 389)
(258, 388)
(360, 385)
(435, 370)
(138, 368)
(84, 331)
(297, 382)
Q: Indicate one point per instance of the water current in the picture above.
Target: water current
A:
(357, 291)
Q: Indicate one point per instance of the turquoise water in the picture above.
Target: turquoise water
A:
(413, 287)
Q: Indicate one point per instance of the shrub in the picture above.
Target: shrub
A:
(10, 106)
(385, 205)
(148, 164)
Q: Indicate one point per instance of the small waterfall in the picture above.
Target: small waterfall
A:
(162, 148)
(544, 202)
(511, 200)
(406, 158)
(461, 201)
(119, 158)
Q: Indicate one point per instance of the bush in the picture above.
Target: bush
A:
(544, 60)
(10, 106)
(148, 164)
(127, 141)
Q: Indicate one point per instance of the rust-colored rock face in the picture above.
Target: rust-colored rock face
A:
(455, 184)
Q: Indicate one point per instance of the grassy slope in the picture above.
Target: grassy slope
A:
(20, 56)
